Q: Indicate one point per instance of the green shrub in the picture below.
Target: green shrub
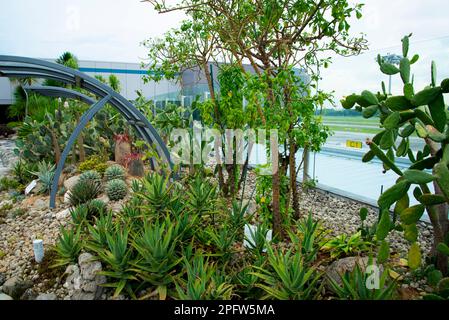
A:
(115, 172)
(95, 163)
(84, 191)
(9, 184)
(344, 245)
(116, 189)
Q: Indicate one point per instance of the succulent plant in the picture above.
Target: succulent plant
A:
(425, 113)
(96, 207)
(90, 175)
(115, 172)
(45, 173)
(84, 191)
(116, 189)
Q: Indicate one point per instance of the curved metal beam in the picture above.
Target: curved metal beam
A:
(11, 66)
(59, 92)
(73, 137)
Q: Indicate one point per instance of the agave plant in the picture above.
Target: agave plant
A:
(84, 191)
(45, 173)
(204, 281)
(289, 278)
(155, 191)
(98, 233)
(117, 256)
(310, 239)
(237, 216)
(157, 257)
(223, 239)
(68, 247)
(201, 197)
(354, 286)
(257, 239)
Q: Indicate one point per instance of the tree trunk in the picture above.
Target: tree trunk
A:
(277, 221)
(56, 147)
(293, 186)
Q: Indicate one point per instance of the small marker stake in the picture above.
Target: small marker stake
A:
(38, 248)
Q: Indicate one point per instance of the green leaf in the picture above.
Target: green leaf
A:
(370, 111)
(367, 157)
(425, 96)
(383, 228)
(405, 45)
(442, 175)
(393, 194)
(418, 177)
(421, 131)
(412, 214)
(438, 112)
(405, 70)
(434, 73)
(414, 59)
(429, 199)
(443, 248)
(387, 140)
(392, 120)
(369, 97)
(363, 213)
(410, 232)
(384, 252)
(409, 92)
(381, 155)
(414, 256)
(389, 69)
(407, 131)
(401, 204)
(398, 103)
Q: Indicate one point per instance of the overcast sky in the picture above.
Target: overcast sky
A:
(113, 30)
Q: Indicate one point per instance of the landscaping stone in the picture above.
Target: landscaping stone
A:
(83, 281)
(15, 287)
(29, 294)
(4, 297)
(341, 266)
(64, 214)
(47, 296)
(2, 278)
(70, 182)
(67, 197)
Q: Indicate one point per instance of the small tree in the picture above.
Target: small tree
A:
(274, 36)
(425, 114)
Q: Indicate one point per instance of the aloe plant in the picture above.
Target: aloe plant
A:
(117, 256)
(204, 281)
(354, 286)
(288, 277)
(68, 246)
(157, 257)
(155, 192)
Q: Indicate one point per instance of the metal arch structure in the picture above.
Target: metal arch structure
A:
(23, 67)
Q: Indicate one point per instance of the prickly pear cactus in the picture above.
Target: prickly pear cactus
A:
(425, 114)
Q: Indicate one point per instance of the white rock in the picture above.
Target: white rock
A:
(70, 182)
(4, 297)
(64, 214)
(67, 197)
(46, 296)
